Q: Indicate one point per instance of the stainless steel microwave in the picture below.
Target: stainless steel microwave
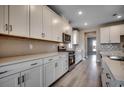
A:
(66, 38)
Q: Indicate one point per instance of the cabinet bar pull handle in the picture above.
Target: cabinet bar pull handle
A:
(10, 28)
(3, 72)
(23, 79)
(107, 83)
(6, 27)
(33, 64)
(50, 59)
(108, 76)
(19, 80)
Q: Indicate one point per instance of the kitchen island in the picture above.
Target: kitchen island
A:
(112, 70)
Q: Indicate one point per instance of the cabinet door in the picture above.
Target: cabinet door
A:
(49, 73)
(122, 29)
(19, 20)
(47, 23)
(32, 77)
(56, 28)
(65, 65)
(10, 81)
(104, 35)
(36, 21)
(3, 19)
(115, 34)
(58, 68)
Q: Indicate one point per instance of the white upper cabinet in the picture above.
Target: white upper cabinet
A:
(19, 20)
(104, 34)
(115, 34)
(36, 21)
(122, 29)
(3, 19)
(110, 34)
(56, 28)
(66, 27)
(47, 23)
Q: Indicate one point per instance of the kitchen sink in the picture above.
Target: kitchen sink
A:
(118, 58)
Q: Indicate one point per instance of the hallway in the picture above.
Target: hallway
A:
(85, 74)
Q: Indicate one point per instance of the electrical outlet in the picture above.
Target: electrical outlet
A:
(30, 46)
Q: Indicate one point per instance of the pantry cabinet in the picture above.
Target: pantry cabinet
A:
(10, 81)
(110, 34)
(36, 27)
(19, 20)
(3, 19)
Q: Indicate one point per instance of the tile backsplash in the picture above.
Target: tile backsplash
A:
(110, 47)
(114, 46)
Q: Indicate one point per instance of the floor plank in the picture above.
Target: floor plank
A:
(85, 74)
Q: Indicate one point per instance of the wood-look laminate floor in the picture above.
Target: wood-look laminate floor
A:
(85, 74)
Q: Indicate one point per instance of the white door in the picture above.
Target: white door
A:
(47, 23)
(19, 20)
(36, 21)
(104, 35)
(10, 81)
(49, 73)
(3, 19)
(32, 77)
(122, 29)
(115, 34)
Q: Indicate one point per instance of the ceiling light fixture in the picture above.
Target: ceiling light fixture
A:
(80, 13)
(119, 16)
(85, 24)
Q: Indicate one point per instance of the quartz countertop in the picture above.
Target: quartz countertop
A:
(17, 59)
(112, 53)
(116, 67)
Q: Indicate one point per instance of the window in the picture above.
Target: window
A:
(94, 45)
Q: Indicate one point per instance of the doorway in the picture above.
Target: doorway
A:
(91, 45)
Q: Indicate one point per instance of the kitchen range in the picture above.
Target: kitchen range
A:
(71, 56)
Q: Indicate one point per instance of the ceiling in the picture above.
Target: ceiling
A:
(94, 15)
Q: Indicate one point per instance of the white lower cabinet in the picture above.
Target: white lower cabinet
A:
(10, 81)
(54, 68)
(49, 73)
(58, 69)
(34, 73)
(32, 77)
(30, 74)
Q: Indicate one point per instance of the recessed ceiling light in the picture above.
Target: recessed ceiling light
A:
(119, 16)
(85, 24)
(80, 13)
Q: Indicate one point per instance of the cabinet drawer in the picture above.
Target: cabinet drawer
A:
(14, 68)
(49, 59)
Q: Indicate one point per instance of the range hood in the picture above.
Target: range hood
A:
(75, 37)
